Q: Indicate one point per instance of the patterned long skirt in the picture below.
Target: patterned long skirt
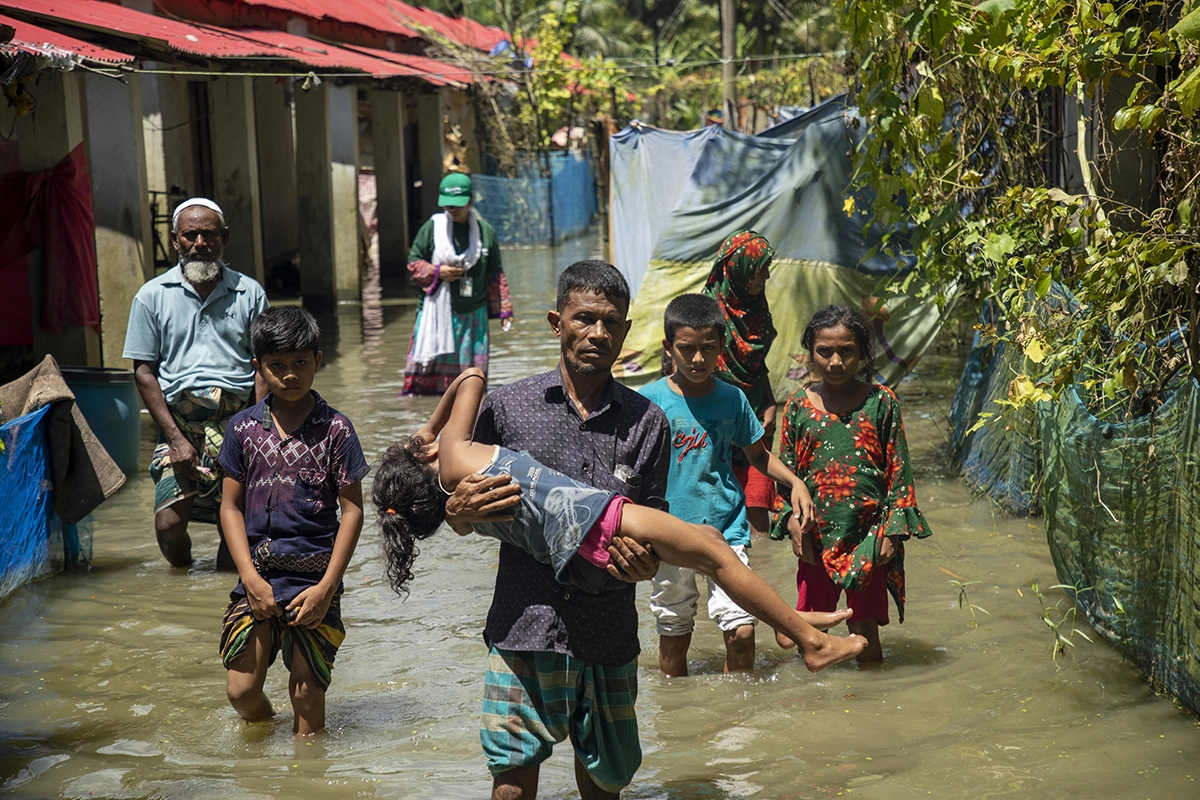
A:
(202, 416)
(471, 334)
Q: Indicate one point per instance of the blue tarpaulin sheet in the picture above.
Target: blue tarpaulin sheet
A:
(676, 196)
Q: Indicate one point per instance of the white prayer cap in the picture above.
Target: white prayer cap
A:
(196, 201)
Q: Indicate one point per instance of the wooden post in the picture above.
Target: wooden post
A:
(728, 54)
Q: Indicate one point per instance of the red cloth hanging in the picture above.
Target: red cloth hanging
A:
(53, 208)
(16, 316)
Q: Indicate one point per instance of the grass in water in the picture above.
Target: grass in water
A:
(1060, 622)
(965, 601)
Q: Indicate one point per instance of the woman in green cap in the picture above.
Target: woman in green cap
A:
(455, 259)
(737, 282)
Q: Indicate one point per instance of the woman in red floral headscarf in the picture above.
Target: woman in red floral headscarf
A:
(737, 281)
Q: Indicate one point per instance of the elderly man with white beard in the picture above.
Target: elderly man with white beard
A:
(189, 339)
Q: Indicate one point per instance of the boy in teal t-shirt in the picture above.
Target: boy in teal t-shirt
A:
(708, 418)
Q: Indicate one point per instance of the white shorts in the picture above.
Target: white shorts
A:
(673, 599)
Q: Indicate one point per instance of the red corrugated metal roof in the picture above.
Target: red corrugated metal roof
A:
(320, 54)
(215, 42)
(367, 13)
(38, 41)
(392, 16)
(464, 31)
(114, 19)
(436, 72)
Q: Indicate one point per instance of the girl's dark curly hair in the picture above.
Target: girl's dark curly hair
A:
(411, 505)
(854, 320)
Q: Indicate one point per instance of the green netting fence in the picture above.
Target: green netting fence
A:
(1000, 460)
(1122, 505)
(1121, 501)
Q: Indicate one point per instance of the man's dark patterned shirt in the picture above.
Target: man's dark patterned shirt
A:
(622, 447)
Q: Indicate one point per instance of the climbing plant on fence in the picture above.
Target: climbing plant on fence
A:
(966, 107)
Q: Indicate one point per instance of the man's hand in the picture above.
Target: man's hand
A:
(630, 561)
(184, 457)
(480, 499)
(450, 273)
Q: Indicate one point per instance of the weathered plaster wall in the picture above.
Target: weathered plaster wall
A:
(116, 157)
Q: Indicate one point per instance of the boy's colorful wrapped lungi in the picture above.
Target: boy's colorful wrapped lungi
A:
(319, 646)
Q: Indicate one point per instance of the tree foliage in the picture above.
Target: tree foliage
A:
(968, 109)
(534, 89)
(665, 54)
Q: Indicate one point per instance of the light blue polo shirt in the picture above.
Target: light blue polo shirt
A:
(196, 343)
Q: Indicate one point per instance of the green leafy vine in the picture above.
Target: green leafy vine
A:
(1018, 147)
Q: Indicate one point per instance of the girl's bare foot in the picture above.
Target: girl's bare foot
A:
(821, 620)
(824, 620)
(821, 654)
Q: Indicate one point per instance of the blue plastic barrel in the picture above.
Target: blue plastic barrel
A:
(108, 399)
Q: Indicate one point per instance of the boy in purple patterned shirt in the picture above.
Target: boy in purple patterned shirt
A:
(289, 462)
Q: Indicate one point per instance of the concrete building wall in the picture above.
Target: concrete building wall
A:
(431, 140)
(176, 133)
(388, 120)
(461, 127)
(314, 197)
(152, 130)
(412, 163)
(343, 115)
(116, 157)
(235, 171)
(273, 118)
(155, 138)
(167, 132)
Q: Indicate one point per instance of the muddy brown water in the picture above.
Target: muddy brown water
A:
(110, 684)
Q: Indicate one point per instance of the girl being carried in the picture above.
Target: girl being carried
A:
(565, 524)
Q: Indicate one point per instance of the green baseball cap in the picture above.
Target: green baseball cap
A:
(454, 190)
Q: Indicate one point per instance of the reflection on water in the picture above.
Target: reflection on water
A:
(110, 684)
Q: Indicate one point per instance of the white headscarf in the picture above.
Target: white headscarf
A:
(196, 201)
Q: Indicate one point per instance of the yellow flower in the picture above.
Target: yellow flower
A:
(848, 206)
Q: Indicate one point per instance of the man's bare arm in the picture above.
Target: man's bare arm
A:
(145, 374)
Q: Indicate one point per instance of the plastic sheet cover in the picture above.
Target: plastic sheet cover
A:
(676, 196)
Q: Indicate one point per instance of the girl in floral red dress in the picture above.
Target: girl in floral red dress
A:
(844, 437)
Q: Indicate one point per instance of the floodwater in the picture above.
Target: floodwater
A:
(110, 684)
